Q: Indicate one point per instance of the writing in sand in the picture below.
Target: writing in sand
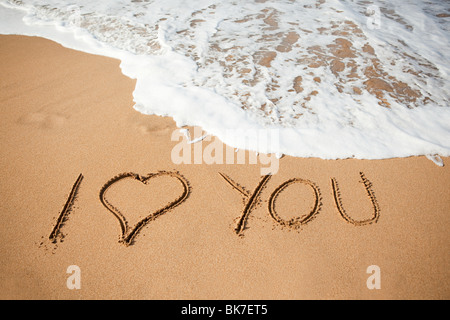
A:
(250, 199)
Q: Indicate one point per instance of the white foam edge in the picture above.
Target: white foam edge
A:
(437, 160)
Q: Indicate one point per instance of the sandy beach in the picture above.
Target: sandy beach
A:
(139, 226)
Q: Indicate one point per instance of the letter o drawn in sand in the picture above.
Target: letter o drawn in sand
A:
(128, 234)
(295, 222)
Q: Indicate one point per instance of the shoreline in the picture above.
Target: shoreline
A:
(66, 113)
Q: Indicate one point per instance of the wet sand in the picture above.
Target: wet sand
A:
(140, 226)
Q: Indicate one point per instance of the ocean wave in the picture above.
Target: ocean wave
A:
(364, 79)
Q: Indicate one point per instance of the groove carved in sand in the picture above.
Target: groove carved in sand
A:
(370, 193)
(251, 199)
(129, 234)
(66, 210)
(295, 222)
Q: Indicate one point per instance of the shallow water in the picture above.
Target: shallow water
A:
(338, 79)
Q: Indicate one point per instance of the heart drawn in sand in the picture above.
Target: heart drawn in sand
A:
(128, 234)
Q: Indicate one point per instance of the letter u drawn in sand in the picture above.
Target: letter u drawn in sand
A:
(370, 193)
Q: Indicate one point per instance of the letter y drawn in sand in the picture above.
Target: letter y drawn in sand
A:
(250, 199)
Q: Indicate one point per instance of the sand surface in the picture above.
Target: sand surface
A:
(172, 235)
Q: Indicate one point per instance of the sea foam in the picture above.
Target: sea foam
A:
(338, 79)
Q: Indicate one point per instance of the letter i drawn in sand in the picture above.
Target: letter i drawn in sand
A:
(56, 232)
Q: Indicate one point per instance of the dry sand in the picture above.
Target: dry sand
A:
(65, 112)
